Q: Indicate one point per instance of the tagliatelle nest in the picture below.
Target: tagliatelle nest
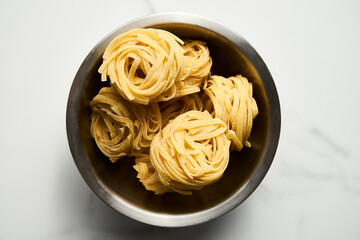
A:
(121, 128)
(232, 101)
(192, 151)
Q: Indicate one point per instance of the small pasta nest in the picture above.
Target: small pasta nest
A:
(151, 65)
(231, 100)
(192, 151)
(121, 128)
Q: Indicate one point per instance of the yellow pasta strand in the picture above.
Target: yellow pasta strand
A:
(111, 124)
(169, 110)
(233, 103)
(147, 175)
(192, 151)
(146, 125)
(173, 108)
(144, 65)
(121, 128)
(197, 67)
(154, 111)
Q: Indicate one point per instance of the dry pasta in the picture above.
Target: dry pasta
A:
(197, 67)
(147, 124)
(147, 175)
(173, 108)
(233, 103)
(154, 111)
(192, 151)
(111, 124)
(121, 128)
(169, 110)
(144, 65)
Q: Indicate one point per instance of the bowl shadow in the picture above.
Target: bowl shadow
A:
(86, 215)
(117, 185)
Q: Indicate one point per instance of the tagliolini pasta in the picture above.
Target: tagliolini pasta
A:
(151, 65)
(197, 67)
(233, 103)
(154, 111)
(192, 151)
(175, 107)
(147, 123)
(121, 128)
(144, 65)
(111, 124)
(169, 111)
(148, 176)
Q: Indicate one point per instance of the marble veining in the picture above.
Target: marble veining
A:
(312, 190)
(150, 6)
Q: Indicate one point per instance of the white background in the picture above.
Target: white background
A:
(312, 190)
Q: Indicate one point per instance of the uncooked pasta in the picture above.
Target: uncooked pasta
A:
(169, 110)
(197, 67)
(165, 109)
(192, 151)
(121, 128)
(147, 175)
(144, 65)
(233, 103)
(175, 107)
(111, 124)
(147, 123)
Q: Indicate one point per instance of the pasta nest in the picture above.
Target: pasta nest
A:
(230, 99)
(197, 67)
(192, 151)
(119, 132)
(173, 108)
(145, 65)
(147, 175)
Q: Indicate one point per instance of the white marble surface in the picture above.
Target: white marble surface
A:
(312, 190)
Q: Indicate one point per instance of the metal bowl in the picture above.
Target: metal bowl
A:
(117, 185)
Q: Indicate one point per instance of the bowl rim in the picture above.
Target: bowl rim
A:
(163, 219)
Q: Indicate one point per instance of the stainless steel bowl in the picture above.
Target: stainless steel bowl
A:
(117, 185)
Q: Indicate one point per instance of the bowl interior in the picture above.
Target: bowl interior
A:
(120, 178)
